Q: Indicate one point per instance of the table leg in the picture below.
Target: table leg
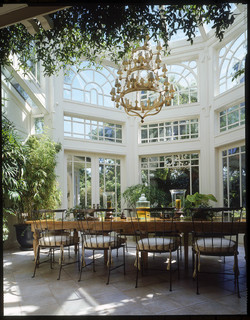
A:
(185, 238)
(145, 259)
(105, 256)
(35, 243)
(76, 239)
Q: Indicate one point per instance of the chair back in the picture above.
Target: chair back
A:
(155, 231)
(49, 226)
(214, 225)
(96, 230)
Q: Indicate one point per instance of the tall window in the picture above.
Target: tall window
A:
(168, 131)
(90, 86)
(92, 129)
(234, 177)
(231, 59)
(110, 179)
(178, 171)
(79, 181)
(232, 117)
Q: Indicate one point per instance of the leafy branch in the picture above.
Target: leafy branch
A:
(95, 31)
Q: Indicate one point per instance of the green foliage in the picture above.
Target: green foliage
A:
(13, 162)
(42, 188)
(156, 196)
(96, 30)
(198, 200)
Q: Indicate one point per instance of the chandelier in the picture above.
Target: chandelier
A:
(140, 76)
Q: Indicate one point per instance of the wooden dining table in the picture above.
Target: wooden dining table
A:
(184, 227)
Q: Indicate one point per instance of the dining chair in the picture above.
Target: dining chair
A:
(215, 233)
(51, 235)
(99, 235)
(156, 234)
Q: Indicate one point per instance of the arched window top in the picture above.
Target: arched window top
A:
(231, 59)
(183, 76)
(90, 85)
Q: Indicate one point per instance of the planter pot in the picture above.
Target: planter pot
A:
(24, 236)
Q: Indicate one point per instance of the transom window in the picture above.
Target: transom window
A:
(232, 117)
(90, 86)
(168, 131)
(92, 130)
(177, 171)
(231, 59)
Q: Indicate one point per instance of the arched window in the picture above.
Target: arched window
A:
(183, 76)
(231, 59)
(91, 85)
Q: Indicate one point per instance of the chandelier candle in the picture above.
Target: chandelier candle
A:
(143, 74)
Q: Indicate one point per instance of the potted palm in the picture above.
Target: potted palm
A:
(13, 163)
(41, 190)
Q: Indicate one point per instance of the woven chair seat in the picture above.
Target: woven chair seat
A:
(57, 240)
(158, 244)
(102, 242)
(215, 245)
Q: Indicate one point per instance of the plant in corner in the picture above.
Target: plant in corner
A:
(41, 190)
(13, 163)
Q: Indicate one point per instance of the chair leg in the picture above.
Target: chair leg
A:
(60, 263)
(178, 264)
(81, 267)
(236, 274)
(137, 265)
(36, 260)
(93, 260)
(109, 263)
(124, 271)
(170, 271)
(197, 275)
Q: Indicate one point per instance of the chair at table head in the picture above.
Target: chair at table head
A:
(215, 233)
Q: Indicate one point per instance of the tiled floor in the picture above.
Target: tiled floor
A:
(45, 295)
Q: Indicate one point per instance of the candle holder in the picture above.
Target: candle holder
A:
(178, 199)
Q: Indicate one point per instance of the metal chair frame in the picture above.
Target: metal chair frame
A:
(102, 239)
(52, 239)
(169, 240)
(208, 240)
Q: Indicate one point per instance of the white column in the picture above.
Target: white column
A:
(206, 122)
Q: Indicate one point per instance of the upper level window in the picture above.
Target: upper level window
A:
(183, 76)
(232, 117)
(168, 131)
(35, 70)
(8, 77)
(231, 59)
(39, 125)
(90, 85)
(92, 129)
